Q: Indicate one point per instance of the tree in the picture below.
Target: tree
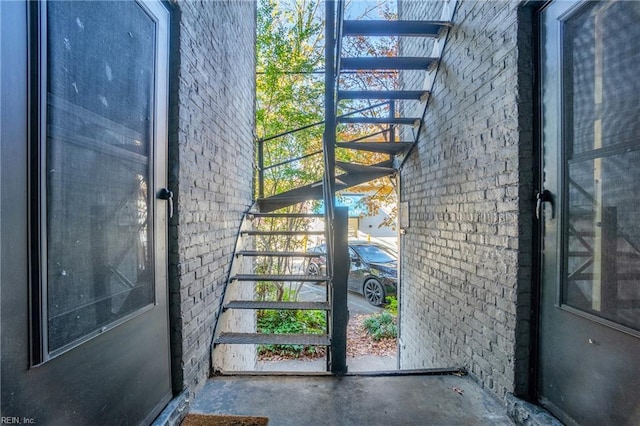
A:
(288, 96)
(290, 91)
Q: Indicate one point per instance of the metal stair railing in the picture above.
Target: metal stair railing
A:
(262, 167)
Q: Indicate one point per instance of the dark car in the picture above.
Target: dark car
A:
(373, 272)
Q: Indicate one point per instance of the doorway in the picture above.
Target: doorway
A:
(85, 330)
(590, 293)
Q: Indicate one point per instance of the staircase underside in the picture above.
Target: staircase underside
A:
(273, 339)
(415, 95)
(383, 28)
(357, 175)
(407, 121)
(387, 63)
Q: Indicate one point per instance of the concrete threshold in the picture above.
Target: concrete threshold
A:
(381, 399)
(361, 363)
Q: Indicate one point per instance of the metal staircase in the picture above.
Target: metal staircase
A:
(282, 260)
(336, 65)
(239, 278)
(236, 320)
(236, 324)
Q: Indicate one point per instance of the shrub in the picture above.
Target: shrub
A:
(381, 326)
(392, 305)
(290, 322)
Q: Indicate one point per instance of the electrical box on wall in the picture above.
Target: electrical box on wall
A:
(403, 217)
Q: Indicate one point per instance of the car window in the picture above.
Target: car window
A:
(374, 254)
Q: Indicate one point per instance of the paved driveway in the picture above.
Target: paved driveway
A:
(356, 303)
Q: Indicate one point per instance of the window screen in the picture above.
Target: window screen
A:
(601, 63)
(98, 167)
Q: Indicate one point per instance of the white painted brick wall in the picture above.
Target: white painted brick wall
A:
(466, 257)
(211, 168)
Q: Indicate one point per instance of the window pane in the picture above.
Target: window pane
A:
(602, 141)
(98, 165)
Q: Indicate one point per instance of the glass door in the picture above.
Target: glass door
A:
(86, 333)
(590, 296)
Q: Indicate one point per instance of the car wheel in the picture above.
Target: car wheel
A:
(373, 292)
(313, 269)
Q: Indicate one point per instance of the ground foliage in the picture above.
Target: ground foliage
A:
(381, 326)
(292, 322)
(359, 343)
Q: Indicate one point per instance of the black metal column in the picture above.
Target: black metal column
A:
(392, 115)
(260, 168)
(329, 139)
(328, 147)
(339, 312)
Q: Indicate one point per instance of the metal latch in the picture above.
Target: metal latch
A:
(165, 194)
(543, 197)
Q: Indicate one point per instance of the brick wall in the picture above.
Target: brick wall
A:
(211, 168)
(466, 255)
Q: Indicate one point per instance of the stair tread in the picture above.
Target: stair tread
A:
(282, 232)
(382, 94)
(364, 168)
(386, 63)
(393, 28)
(278, 277)
(411, 121)
(387, 147)
(251, 304)
(286, 215)
(273, 339)
(278, 253)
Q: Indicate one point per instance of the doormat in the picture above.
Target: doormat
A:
(223, 420)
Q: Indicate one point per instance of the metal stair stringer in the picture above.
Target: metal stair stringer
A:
(221, 358)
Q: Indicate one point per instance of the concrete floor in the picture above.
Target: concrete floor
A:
(353, 400)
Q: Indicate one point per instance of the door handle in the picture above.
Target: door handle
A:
(165, 194)
(543, 197)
